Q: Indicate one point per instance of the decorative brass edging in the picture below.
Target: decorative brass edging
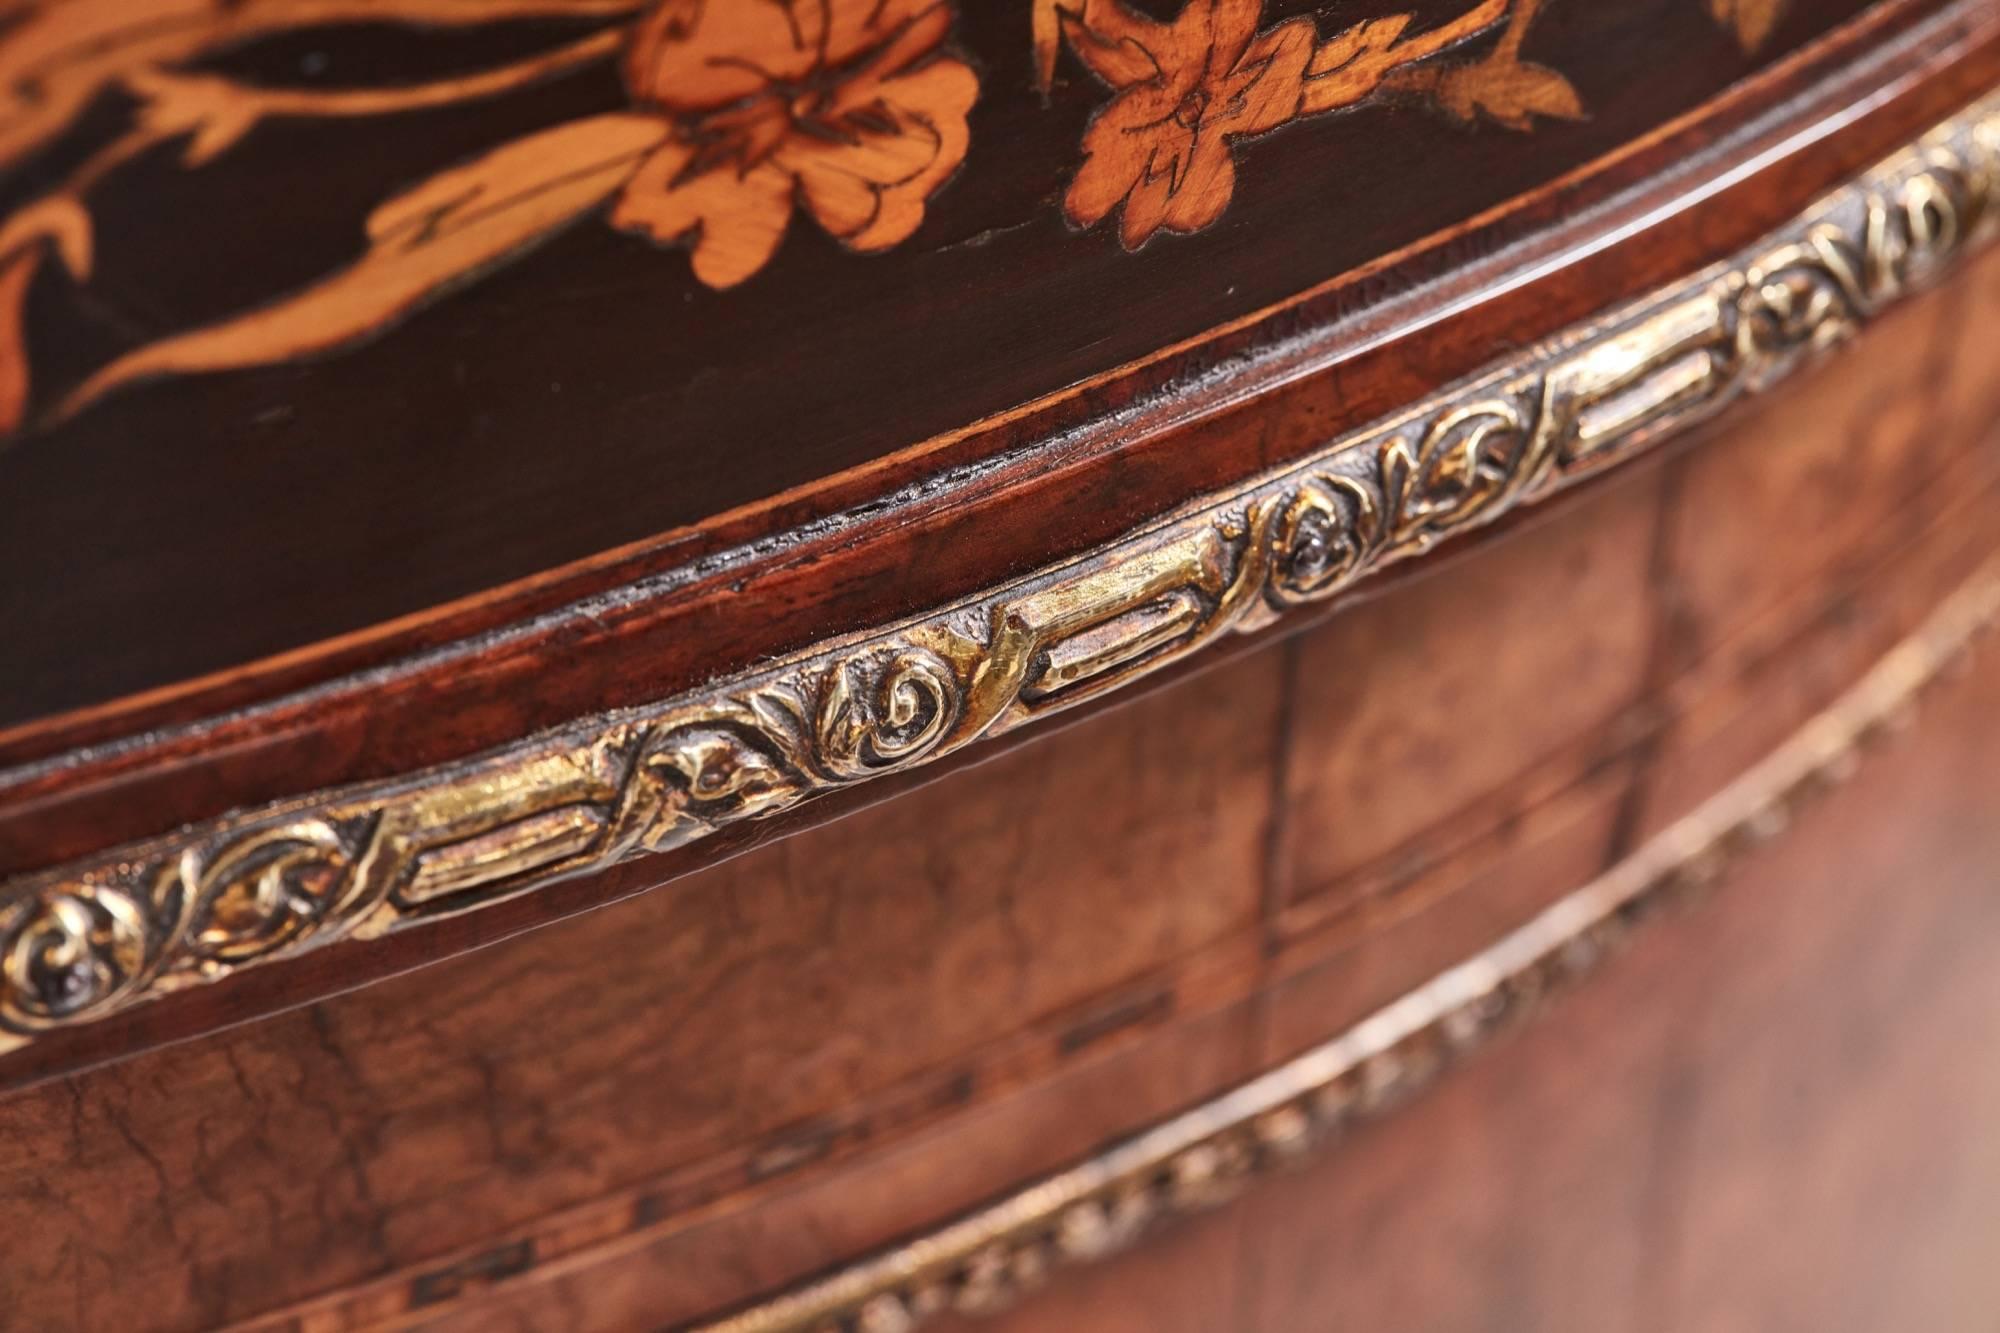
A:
(81, 941)
(983, 1261)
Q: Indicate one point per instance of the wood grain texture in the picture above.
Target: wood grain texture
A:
(659, 1110)
(475, 693)
(451, 704)
(1682, 606)
(1770, 1114)
(879, 952)
(85, 940)
(990, 1257)
(686, 449)
(809, 1049)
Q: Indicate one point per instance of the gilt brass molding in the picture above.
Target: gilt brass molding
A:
(84, 940)
(987, 1259)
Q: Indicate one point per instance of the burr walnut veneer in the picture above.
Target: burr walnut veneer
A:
(1056, 664)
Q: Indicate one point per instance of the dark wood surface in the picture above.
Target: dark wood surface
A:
(594, 393)
(663, 1108)
(586, 477)
(148, 763)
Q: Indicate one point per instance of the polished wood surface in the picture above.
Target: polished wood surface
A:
(614, 793)
(1773, 1113)
(667, 1108)
(979, 503)
(250, 185)
(1087, 664)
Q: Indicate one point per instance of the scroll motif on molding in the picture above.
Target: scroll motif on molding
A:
(82, 941)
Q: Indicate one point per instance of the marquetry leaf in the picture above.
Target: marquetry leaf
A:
(420, 243)
(58, 221)
(211, 113)
(57, 55)
(17, 273)
(1350, 65)
(1120, 45)
(59, 224)
(1501, 86)
(1751, 20)
(1512, 94)
(1359, 61)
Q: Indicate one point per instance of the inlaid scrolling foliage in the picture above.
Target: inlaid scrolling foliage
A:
(1188, 88)
(744, 116)
(82, 941)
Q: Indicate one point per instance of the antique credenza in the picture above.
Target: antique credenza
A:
(1042, 664)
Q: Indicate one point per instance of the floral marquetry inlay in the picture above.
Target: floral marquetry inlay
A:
(87, 939)
(845, 110)
(1186, 89)
(743, 119)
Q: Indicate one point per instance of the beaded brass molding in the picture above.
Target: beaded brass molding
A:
(84, 940)
(984, 1261)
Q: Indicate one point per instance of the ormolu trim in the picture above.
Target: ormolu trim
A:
(81, 941)
(982, 1261)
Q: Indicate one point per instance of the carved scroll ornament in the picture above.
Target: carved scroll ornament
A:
(84, 940)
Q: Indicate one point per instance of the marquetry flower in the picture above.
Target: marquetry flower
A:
(1186, 88)
(848, 109)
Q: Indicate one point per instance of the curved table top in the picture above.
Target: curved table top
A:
(509, 528)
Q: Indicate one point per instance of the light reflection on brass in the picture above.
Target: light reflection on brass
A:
(83, 940)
